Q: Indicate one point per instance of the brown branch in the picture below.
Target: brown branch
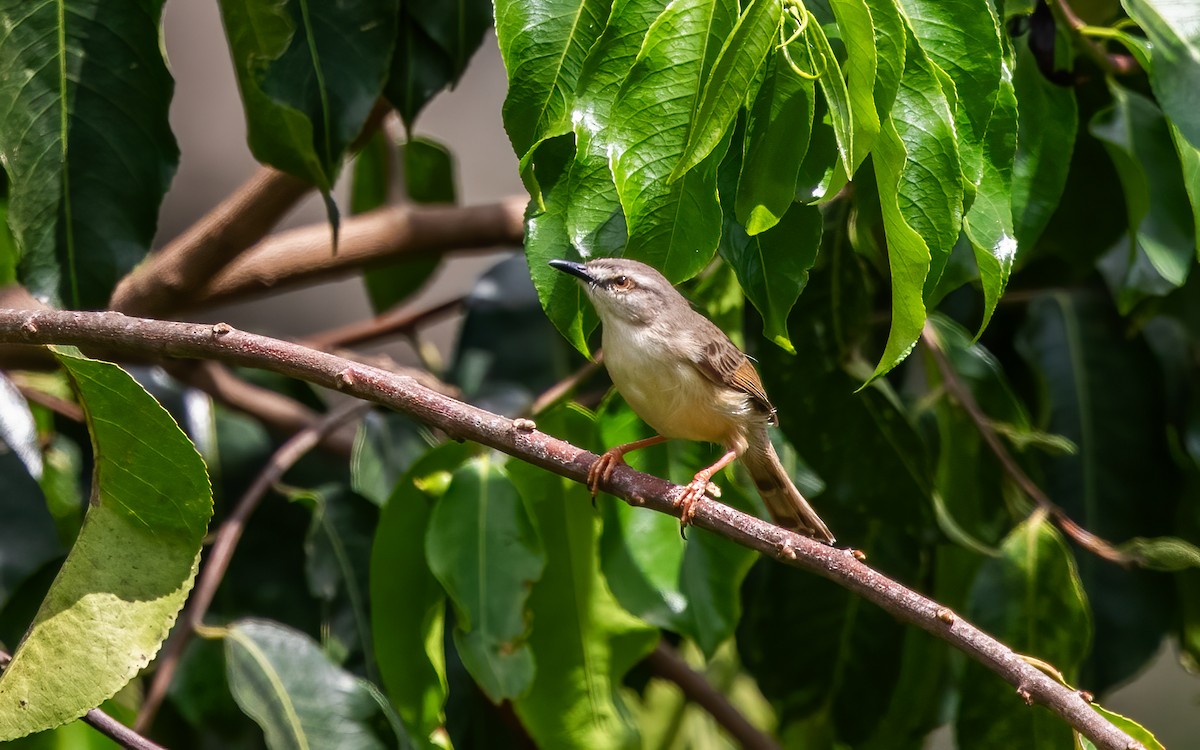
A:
(106, 725)
(170, 276)
(463, 421)
(666, 662)
(390, 323)
(959, 391)
(60, 406)
(305, 255)
(226, 540)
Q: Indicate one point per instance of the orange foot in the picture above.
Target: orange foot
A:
(602, 469)
(692, 494)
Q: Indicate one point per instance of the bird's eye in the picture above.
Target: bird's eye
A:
(622, 283)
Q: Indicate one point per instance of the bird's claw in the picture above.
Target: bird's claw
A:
(602, 470)
(690, 499)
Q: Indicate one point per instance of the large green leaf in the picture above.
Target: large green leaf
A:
(672, 226)
(309, 74)
(920, 194)
(862, 62)
(689, 587)
(544, 44)
(731, 77)
(85, 141)
(1162, 233)
(1189, 159)
(132, 565)
(408, 603)
(833, 87)
(772, 267)
(1047, 118)
(281, 679)
(1173, 27)
(778, 127)
(1031, 599)
(1121, 483)
(457, 27)
(582, 639)
(484, 549)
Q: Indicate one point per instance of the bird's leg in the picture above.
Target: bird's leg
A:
(697, 488)
(602, 467)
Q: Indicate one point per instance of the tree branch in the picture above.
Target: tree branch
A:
(463, 421)
(221, 553)
(305, 255)
(666, 662)
(389, 323)
(1110, 63)
(962, 394)
(106, 725)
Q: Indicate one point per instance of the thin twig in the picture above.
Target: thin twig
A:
(105, 724)
(666, 662)
(60, 406)
(393, 322)
(567, 385)
(386, 235)
(466, 422)
(959, 391)
(226, 540)
(1110, 63)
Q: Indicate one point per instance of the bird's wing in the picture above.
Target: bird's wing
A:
(725, 364)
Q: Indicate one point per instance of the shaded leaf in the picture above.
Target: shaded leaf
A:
(309, 74)
(132, 565)
(408, 603)
(385, 445)
(1122, 482)
(778, 127)
(85, 140)
(583, 641)
(833, 87)
(772, 267)
(457, 28)
(1030, 598)
(1173, 27)
(283, 681)
(28, 538)
(484, 549)
(1166, 553)
(862, 61)
(1161, 246)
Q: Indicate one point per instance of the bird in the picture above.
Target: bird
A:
(682, 375)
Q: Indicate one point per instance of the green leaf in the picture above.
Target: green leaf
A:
(1082, 353)
(85, 140)
(1162, 233)
(457, 28)
(10, 255)
(1127, 725)
(309, 74)
(407, 603)
(772, 267)
(371, 178)
(731, 77)
(689, 587)
(484, 549)
(920, 194)
(674, 227)
(283, 681)
(862, 60)
(833, 87)
(778, 128)
(1168, 553)
(428, 170)
(544, 44)
(1173, 27)
(1047, 118)
(583, 641)
(1189, 159)
(132, 565)
(385, 445)
(1030, 598)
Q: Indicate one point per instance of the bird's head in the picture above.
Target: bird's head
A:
(622, 289)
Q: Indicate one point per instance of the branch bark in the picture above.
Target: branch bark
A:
(305, 255)
(463, 421)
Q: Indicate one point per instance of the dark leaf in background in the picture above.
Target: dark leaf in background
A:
(385, 446)
(1175, 59)
(28, 538)
(84, 138)
(1030, 598)
(1122, 482)
(408, 604)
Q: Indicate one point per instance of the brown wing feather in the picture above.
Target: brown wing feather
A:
(723, 363)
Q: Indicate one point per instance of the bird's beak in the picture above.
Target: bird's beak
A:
(573, 268)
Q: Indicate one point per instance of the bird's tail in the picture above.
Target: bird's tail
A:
(787, 506)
